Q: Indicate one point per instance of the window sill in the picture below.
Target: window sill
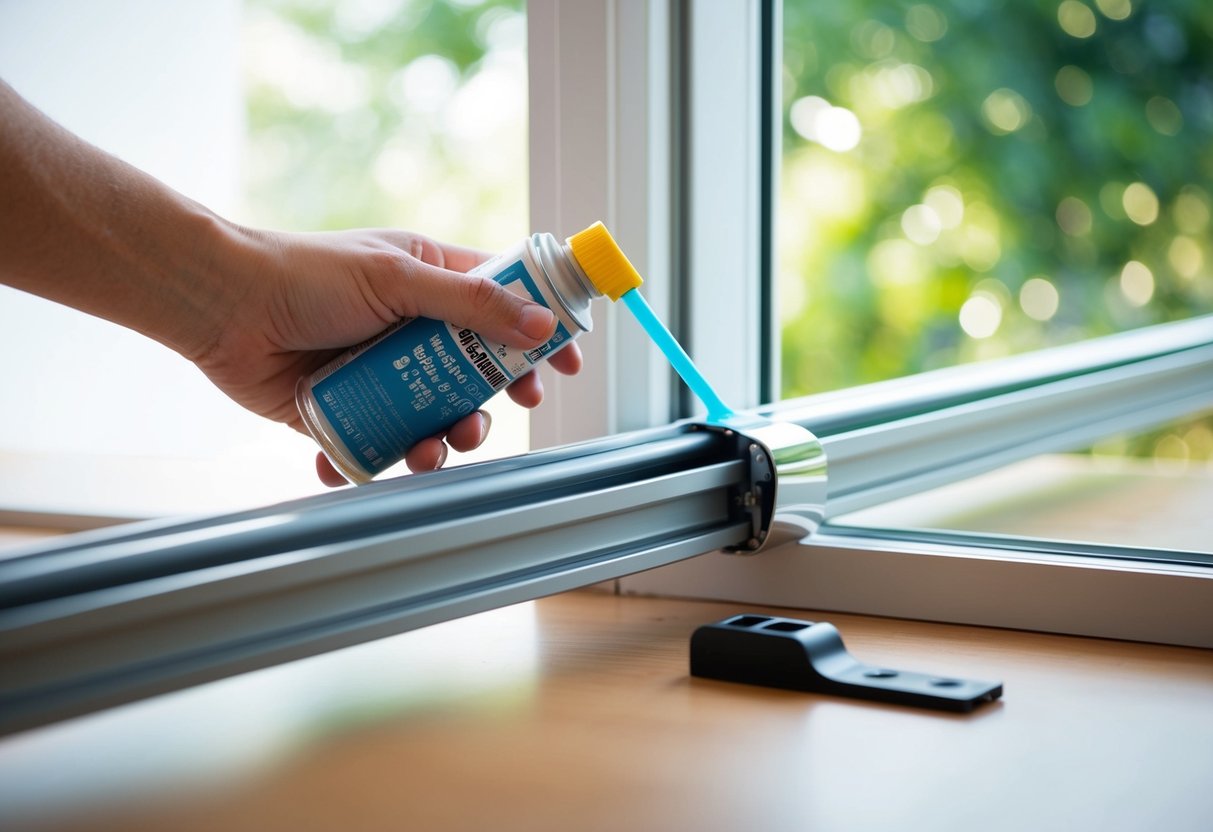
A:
(956, 584)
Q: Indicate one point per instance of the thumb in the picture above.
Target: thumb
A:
(478, 303)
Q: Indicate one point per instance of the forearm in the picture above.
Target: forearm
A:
(82, 228)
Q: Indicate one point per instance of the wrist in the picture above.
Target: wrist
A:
(212, 280)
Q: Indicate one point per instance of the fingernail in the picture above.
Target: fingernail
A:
(536, 321)
(441, 457)
(486, 421)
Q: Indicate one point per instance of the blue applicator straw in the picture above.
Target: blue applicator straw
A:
(677, 356)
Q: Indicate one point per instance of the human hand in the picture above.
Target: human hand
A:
(305, 298)
(254, 310)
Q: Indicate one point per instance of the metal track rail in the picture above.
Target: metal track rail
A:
(897, 438)
(116, 615)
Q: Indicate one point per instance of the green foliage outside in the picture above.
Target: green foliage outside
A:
(1040, 170)
(404, 113)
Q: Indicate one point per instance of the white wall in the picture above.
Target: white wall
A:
(158, 84)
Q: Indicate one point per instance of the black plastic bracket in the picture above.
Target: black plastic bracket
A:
(810, 656)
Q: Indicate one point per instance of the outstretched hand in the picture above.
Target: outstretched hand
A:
(307, 297)
(255, 310)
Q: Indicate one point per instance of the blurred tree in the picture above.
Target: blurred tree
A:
(964, 179)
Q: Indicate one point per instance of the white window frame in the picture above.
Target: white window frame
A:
(606, 94)
(599, 150)
(703, 61)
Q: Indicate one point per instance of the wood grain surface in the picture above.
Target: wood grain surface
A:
(577, 713)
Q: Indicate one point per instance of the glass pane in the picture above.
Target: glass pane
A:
(1150, 490)
(963, 180)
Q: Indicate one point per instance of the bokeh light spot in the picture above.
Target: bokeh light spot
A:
(926, 23)
(897, 85)
(838, 129)
(1185, 256)
(1076, 19)
(1073, 85)
(1074, 216)
(948, 204)
(873, 39)
(1140, 203)
(835, 128)
(1137, 283)
(1005, 111)
(921, 224)
(1191, 210)
(981, 315)
(1039, 299)
(1164, 116)
(803, 114)
(1115, 9)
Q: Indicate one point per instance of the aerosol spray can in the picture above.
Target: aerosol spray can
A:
(368, 407)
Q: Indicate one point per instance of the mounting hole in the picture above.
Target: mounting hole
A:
(786, 626)
(748, 621)
(880, 674)
(946, 683)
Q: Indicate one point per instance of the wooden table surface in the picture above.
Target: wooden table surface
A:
(577, 713)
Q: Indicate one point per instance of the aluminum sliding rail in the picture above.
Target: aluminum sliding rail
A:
(893, 439)
(106, 617)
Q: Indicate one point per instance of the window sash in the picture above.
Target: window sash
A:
(601, 105)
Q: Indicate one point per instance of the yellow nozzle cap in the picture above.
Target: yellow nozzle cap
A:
(604, 262)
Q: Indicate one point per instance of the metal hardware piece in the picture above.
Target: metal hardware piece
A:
(810, 656)
(788, 478)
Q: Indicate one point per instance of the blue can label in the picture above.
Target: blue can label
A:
(418, 379)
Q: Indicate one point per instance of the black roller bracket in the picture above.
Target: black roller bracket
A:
(810, 656)
(755, 499)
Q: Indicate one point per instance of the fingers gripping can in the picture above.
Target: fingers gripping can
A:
(369, 406)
